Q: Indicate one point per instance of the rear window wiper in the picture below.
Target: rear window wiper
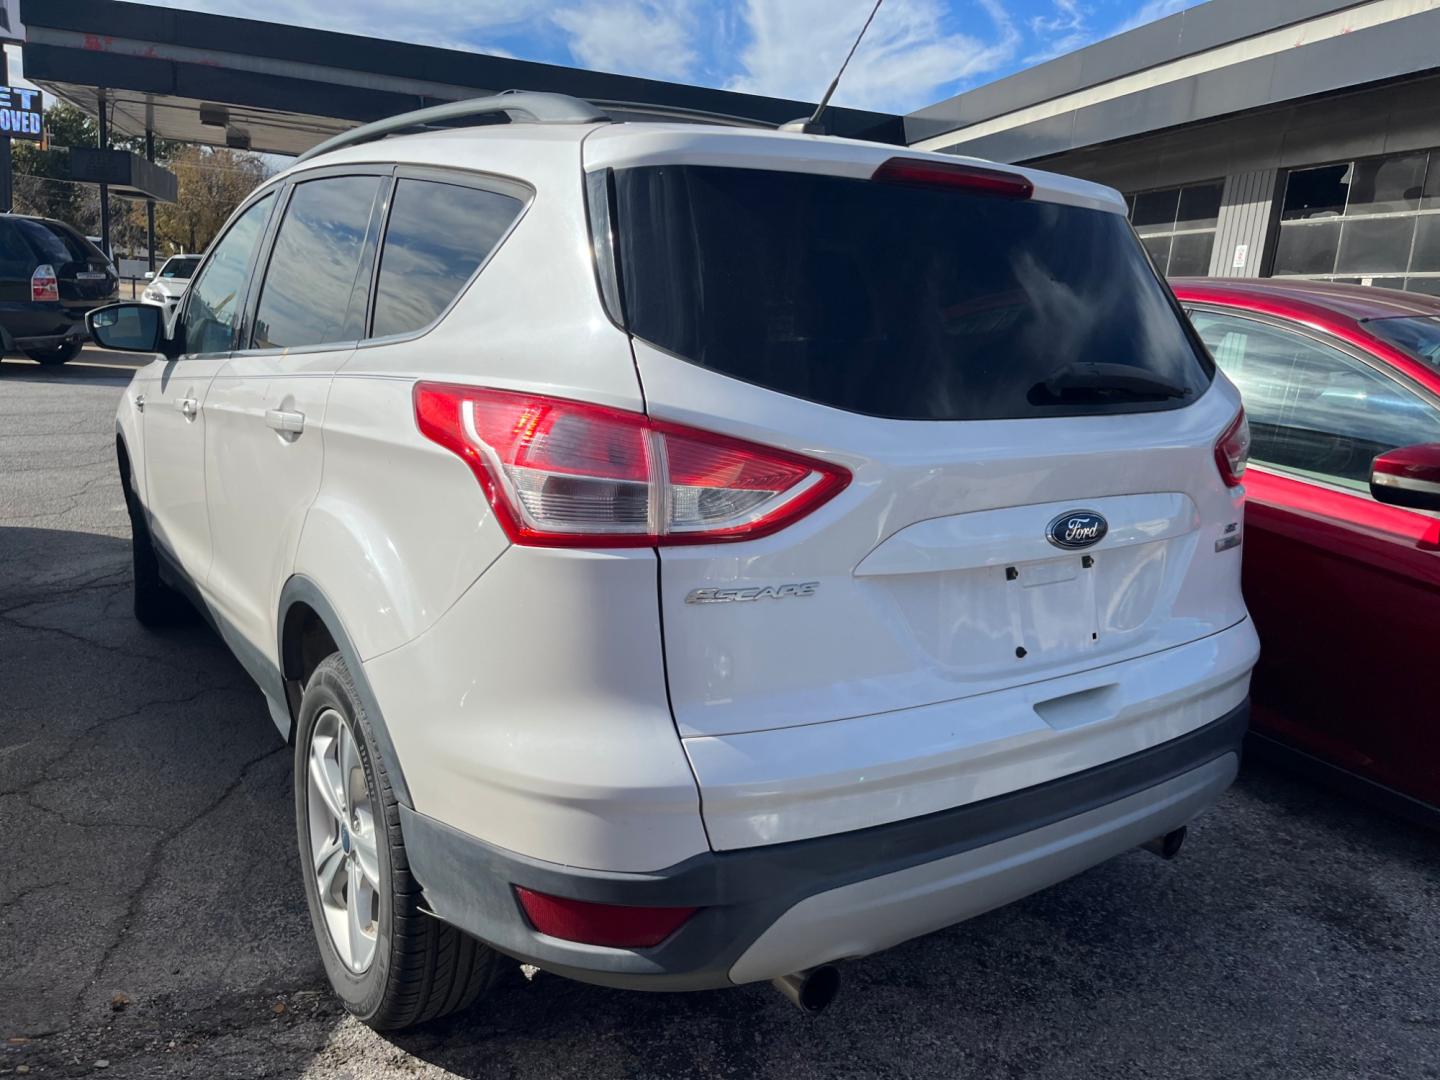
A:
(1098, 382)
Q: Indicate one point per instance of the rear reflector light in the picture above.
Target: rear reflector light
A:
(612, 925)
(44, 285)
(1232, 452)
(973, 178)
(563, 473)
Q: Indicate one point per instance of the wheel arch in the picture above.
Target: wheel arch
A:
(309, 629)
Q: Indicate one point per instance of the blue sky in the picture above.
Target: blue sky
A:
(917, 51)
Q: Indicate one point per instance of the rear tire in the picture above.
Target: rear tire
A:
(392, 965)
(156, 604)
(60, 354)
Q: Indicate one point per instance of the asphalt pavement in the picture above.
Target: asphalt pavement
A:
(152, 921)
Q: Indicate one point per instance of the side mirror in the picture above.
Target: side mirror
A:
(129, 327)
(1408, 476)
(149, 275)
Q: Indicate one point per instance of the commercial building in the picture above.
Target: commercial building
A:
(1250, 137)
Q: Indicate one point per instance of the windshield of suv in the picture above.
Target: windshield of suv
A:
(180, 267)
(906, 302)
(1418, 335)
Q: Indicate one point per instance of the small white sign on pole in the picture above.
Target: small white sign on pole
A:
(1241, 250)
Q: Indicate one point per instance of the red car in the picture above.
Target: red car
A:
(1342, 531)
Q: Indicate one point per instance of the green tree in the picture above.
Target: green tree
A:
(212, 182)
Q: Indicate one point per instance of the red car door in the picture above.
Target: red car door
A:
(1345, 591)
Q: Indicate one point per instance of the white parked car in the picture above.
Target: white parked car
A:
(167, 285)
(688, 555)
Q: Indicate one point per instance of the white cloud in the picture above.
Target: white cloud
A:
(632, 37)
(1062, 31)
(1150, 11)
(911, 51)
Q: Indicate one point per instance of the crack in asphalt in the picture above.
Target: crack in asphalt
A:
(148, 874)
(74, 741)
(117, 650)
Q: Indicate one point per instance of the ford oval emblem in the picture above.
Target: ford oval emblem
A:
(1076, 529)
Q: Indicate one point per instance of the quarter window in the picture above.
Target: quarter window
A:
(1313, 409)
(309, 296)
(437, 237)
(213, 311)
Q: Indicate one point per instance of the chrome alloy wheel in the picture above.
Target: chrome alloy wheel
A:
(343, 853)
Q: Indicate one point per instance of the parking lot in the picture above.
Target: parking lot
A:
(152, 918)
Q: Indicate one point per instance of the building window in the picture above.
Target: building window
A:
(1374, 221)
(1177, 226)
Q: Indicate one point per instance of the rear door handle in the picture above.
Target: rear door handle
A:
(139, 402)
(188, 407)
(285, 421)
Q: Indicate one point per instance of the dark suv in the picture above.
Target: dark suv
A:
(50, 276)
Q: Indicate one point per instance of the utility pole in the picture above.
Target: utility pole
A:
(7, 180)
(150, 203)
(104, 142)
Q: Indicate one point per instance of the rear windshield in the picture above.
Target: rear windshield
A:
(898, 301)
(180, 268)
(54, 243)
(1418, 335)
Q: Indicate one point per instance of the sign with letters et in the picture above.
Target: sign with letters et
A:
(22, 113)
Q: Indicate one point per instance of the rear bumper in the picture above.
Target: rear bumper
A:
(775, 909)
(41, 326)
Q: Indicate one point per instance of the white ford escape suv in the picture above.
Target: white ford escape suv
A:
(687, 555)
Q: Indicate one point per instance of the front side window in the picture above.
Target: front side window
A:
(899, 301)
(213, 311)
(309, 296)
(1314, 410)
(437, 237)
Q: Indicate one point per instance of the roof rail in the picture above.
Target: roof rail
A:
(522, 107)
(641, 108)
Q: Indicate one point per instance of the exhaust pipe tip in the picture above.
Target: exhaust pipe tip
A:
(1167, 846)
(810, 990)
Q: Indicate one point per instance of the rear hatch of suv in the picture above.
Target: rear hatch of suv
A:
(996, 364)
(85, 276)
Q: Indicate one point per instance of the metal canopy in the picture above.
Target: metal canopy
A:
(219, 81)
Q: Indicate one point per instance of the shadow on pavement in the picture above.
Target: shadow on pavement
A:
(94, 366)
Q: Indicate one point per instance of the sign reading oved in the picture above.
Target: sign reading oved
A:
(22, 113)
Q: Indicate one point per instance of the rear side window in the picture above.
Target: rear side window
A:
(16, 258)
(309, 296)
(437, 237)
(898, 301)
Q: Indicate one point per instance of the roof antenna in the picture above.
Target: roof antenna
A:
(813, 126)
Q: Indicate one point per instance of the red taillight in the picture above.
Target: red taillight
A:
(1232, 451)
(44, 285)
(612, 925)
(563, 473)
(975, 178)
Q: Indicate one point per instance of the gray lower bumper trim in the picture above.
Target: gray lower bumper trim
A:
(741, 893)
